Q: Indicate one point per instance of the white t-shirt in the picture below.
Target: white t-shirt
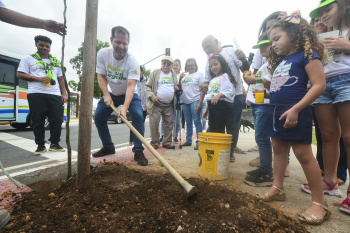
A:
(2, 5)
(165, 89)
(264, 74)
(221, 84)
(191, 86)
(33, 67)
(258, 60)
(117, 72)
(338, 62)
(234, 63)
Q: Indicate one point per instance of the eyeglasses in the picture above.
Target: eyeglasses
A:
(188, 66)
(167, 63)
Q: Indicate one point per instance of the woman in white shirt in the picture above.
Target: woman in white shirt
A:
(190, 84)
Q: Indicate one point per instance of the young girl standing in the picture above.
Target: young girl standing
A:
(295, 59)
(263, 175)
(333, 106)
(220, 93)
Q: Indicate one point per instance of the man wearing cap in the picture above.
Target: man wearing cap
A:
(160, 89)
(236, 61)
(120, 70)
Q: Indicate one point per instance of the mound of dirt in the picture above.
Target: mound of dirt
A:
(119, 199)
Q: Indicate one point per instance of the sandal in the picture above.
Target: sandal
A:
(331, 191)
(345, 202)
(253, 149)
(280, 196)
(311, 219)
(239, 151)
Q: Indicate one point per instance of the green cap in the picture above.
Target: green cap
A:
(317, 12)
(257, 46)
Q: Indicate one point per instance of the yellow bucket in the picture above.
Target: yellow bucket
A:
(214, 155)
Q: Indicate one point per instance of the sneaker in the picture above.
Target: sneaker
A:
(259, 179)
(140, 158)
(161, 139)
(4, 218)
(103, 152)
(255, 162)
(56, 147)
(232, 158)
(187, 144)
(40, 150)
(175, 140)
(249, 173)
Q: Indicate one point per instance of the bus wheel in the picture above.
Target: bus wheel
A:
(20, 126)
(46, 124)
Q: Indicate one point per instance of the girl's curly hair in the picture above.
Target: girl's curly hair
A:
(224, 67)
(303, 36)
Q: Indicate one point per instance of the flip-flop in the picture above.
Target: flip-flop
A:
(253, 149)
(240, 151)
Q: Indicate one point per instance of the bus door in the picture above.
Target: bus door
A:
(8, 90)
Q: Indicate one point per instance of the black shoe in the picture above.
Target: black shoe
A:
(161, 139)
(56, 147)
(168, 147)
(40, 150)
(103, 152)
(175, 140)
(249, 173)
(259, 179)
(140, 158)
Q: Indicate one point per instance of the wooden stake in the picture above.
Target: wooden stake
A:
(87, 89)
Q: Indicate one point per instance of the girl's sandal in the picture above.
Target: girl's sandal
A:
(345, 202)
(330, 191)
(311, 219)
(280, 196)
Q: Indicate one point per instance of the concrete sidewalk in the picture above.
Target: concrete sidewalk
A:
(185, 161)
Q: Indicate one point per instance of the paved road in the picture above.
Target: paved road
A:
(17, 146)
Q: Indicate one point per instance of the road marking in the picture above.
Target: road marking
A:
(29, 145)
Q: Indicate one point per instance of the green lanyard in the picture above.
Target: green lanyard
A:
(48, 67)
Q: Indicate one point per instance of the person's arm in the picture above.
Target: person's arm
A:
(63, 89)
(15, 18)
(102, 82)
(129, 95)
(241, 56)
(318, 84)
(30, 78)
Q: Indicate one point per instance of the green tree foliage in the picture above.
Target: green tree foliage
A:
(77, 63)
(146, 72)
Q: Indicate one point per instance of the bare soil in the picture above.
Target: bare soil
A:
(119, 199)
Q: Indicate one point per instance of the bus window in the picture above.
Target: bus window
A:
(7, 74)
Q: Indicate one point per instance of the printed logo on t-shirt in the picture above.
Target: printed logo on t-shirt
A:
(281, 76)
(187, 80)
(214, 88)
(40, 66)
(115, 74)
(259, 74)
(134, 72)
(166, 80)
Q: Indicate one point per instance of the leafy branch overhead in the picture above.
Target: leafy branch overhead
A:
(77, 63)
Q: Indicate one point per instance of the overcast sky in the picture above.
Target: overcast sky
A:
(153, 25)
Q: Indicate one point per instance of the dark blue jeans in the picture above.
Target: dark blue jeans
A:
(235, 120)
(262, 139)
(102, 113)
